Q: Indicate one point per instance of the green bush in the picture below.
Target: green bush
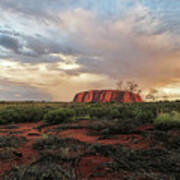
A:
(144, 116)
(168, 118)
(115, 114)
(9, 116)
(32, 113)
(126, 111)
(99, 113)
(61, 115)
(122, 111)
(19, 114)
(81, 112)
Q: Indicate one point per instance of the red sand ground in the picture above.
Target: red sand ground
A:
(87, 164)
(132, 141)
(80, 134)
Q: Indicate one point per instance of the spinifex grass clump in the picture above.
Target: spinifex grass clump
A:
(11, 141)
(56, 142)
(67, 148)
(168, 120)
(143, 162)
(6, 154)
(45, 168)
(61, 115)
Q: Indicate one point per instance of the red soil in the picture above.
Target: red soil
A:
(87, 164)
(28, 154)
(144, 128)
(132, 141)
(79, 134)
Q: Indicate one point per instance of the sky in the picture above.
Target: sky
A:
(52, 49)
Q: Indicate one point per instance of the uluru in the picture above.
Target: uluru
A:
(107, 96)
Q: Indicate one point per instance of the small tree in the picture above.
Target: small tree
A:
(119, 85)
(152, 94)
(139, 91)
(130, 86)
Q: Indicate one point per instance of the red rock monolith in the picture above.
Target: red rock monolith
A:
(107, 96)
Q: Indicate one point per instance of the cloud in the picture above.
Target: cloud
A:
(59, 84)
(11, 91)
(29, 9)
(29, 48)
(10, 43)
(124, 52)
(62, 47)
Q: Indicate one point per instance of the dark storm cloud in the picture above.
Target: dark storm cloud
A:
(10, 43)
(43, 46)
(35, 48)
(39, 45)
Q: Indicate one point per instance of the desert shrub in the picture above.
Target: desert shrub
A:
(124, 112)
(9, 116)
(61, 115)
(163, 118)
(11, 141)
(144, 112)
(167, 120)
(144, 116)
(81, 112)
(112, 111)
(67, 148)
(32, 113)
(115, 113)
(55, 142)
(6, 154)
(121, 111)
(21, 114)
(44, 168)
(147, 161)
(99, 113)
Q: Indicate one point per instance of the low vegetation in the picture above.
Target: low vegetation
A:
(168, 118)
(22, 113)
(61, 115)
(11, 141)
(45, 168)
(118, 141)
